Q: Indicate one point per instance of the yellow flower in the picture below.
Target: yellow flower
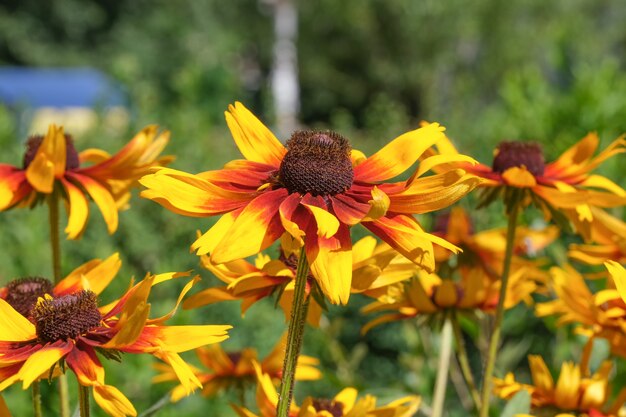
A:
(429, 294)
(609, 234)
(72, 328)
(236, 369)
(575, 394)
(52, 163)
(601, 315)
(344, 404)
(565, 184)
(253, 282)
(315, 188)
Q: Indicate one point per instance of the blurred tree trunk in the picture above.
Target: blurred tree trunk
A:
(285, 84)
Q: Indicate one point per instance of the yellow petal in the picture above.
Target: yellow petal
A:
(103, 199)
(327, 224)
(183, 372)
(446, 294)
(49, 161)
(77, 208)
(208, 241)
(40, 174)
(13, 326)
(598, 181)
(184, 338)
(542, 378)
(113, 402)
(618, 273)
(41, 361)
(254, 140)
(519, 177)
(331, 263)
(379, 204)
(397, 156)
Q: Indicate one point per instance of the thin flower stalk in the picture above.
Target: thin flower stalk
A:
(499, 315)
(464, 361)
(443, 369)
(294, 336)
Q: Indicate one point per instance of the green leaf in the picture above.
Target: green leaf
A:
(519, 404)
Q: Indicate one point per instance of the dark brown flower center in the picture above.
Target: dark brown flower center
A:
(518, 154)
(22, 293)
(234, 357)
(335, 408)
(34, 142)
(317, 163)
(66, 317)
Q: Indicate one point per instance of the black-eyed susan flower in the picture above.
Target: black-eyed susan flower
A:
(608, 233)
(598, 315)
(575, 393)
(22, 293)
(69, 330)
(345, 404)
(222, 369)
(51, 162)
(315, 188)
(565, 184)
(253, 282)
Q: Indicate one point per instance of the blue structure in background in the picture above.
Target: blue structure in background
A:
(58, 87)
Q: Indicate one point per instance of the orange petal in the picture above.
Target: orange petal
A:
(404, 234)
(49, 161)
(256, 228)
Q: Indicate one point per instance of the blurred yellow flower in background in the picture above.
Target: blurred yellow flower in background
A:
(609, 235)
(575, 394)
(52, 163)
(236, 369)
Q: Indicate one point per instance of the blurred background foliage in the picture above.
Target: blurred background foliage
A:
(488, 70)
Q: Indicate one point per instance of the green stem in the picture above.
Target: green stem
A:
(439, 396)
(36, 399)
(497, 324)
(83, 400)
(55, 245)
(55, 241)
(464, 361)
(299, 309)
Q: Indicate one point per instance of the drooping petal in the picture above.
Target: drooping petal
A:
(405, 235)
(598, 181)
(78, 210)
(331, 263)
(13, 326)
(102, 197)
(183, 372)
(287, 212)
(254, 140)
(327, 224)
(397, 156)
(256, 228)
(113, 402)
(13, 186)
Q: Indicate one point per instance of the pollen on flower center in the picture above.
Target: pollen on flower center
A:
(317, 163)
(34, 142)
(66, 317)
(22, 293)
(518, 154)
(335, 408)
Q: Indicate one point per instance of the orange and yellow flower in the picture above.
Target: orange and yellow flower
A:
(575, 394)
(236, 369)
(565, 184)
(52, 163)
(345, 403)
(253, 282)
(609, 234)
(315, 188)
(71, 328)
(598, 315)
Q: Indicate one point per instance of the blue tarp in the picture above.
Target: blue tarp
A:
(58, 87)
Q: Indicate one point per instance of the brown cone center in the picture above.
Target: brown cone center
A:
(317, 163)
(22, 293)
(518, 154)
(66, 317)
(335, 408)
(34, 142)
